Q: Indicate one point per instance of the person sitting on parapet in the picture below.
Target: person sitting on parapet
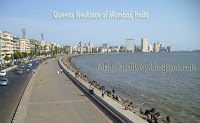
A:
(93, 91)
(127, 107)
(113, 91)
(78, 74)
(75, 74)
(90, 89)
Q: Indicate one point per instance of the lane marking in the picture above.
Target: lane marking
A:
(59, 102)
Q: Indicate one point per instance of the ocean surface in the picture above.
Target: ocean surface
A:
(170, 82)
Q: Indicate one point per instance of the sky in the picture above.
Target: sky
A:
(173, 23)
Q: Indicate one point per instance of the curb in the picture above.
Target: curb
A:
(10, 68)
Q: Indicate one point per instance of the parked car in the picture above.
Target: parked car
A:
(29, 65)
(16, 69)
(22, 65)
(3, 73)
(4, 81)
(3, 66)
(19, 71)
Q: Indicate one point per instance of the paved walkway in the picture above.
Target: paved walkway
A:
(133, 117)
(55, 99)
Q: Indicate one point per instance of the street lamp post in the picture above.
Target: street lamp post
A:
(1, 53)
(36, 48)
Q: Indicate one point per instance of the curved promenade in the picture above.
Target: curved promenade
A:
(109, 104)
(52, 98)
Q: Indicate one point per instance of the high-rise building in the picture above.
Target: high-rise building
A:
(169, 49)
(157, 47)
(137, 48)
(1, 36)
(150, 48)
(52, 46)
(47, 47)
(68, 48)
(25, 45)
(22, 45)
(105, 46)
(80, 45)
(144, 45)
(6, 44)
(161, 47)
(130, 45)
(16, 42)
(122, 47)
(90, 44)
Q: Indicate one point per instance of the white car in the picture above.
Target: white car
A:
(4, 81)
(3, 73)
(29, 65)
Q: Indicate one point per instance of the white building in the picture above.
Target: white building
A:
(80, 45)
(25, 45)
(16, 44)
(150, 48)
(47, 47)
(130, 45)
(156, 47)
(6, 44)
(105, 46)
(161, 47)
(90, 44)
(144, 45)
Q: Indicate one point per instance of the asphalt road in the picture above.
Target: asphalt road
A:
(10, 95)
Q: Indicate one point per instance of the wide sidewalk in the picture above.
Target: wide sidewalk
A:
(130, 115)
(55, 99)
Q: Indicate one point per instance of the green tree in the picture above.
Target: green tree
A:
(7, 58)
(67, 52)
(24, 54)
(45, 47)
(16, 55)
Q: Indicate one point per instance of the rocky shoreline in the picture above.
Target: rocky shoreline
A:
(150, 115)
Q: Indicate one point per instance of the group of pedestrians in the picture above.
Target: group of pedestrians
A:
(59, 72)
(77, 74)
(92, 90)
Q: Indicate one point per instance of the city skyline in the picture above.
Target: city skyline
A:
(172, 23)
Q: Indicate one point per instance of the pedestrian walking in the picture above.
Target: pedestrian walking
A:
(60, 70)
(33, 70)
(102, 93)
(58, 73)
(90, 89)
(93, 91)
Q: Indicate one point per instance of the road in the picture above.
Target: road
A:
(10, 95)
